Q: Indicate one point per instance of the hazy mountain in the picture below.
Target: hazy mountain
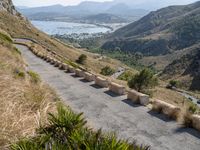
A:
(83, 10)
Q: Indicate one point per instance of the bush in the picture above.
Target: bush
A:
(174, 83)
(142, 81)
(19, 74)
(107, 71)
(67, 130)
(187, 120)
(82, 59)
(35, 78)
(126, 76)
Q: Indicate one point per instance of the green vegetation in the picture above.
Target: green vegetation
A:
(35, 78)
(82, 59)
(174, 83)
(67, 130)
(5, 37)
(126, 76)
(19, 74)
(142, 81)
(107, 71)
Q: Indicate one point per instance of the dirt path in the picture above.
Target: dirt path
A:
(114, 113)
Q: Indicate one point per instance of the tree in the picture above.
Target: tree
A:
(144, 80)
(107, 71)
(82, 59)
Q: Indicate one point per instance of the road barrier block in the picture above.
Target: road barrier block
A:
(71, 69)
(116, 88)
(89, 77)
(166, 108)
(196, 122)
(79, 73)
(138, 98)
(101, 82)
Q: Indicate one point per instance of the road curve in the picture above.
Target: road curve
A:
(114, 113)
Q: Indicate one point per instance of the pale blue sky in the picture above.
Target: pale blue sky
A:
(34, 3)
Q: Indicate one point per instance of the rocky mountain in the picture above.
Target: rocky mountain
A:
(160, 32)
(7, 5)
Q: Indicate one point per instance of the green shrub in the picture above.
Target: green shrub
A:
(34, 77)
(19, 74)
(126, 76)
(67, 130)
(174, 83)
(82, 59)
(142, 81)
(107, 71)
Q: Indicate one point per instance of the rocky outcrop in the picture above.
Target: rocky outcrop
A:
(7, 5)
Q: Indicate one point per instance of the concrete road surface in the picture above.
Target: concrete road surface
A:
(110, 112)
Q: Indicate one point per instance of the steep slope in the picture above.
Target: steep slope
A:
(185, 69)
(161, 32)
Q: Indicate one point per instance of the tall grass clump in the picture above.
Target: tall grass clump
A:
(67, 130)
(35, 78)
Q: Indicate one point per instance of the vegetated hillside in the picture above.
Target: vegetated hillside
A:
(185, 69)
(24, 98)
(161, 32)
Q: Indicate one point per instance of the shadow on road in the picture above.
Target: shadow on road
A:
(160, 116)
(127, 101)
(84, 81)
(190, 131)
(112, 94)
(75, 76)
(96, 86)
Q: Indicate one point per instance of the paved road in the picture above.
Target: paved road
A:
(114, 113)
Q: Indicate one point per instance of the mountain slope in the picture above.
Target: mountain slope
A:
(169, 39)
(161, 32)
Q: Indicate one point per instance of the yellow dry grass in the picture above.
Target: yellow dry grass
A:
(23, 104)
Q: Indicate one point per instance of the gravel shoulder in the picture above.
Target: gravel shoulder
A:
(110, 112)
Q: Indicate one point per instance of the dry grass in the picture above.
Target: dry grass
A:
(23, 104)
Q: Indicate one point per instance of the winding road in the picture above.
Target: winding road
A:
(110, 112)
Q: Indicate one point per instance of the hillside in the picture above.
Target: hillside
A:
(161, 32)
(163, 37)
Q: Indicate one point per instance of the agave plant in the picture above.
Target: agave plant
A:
(67, 130)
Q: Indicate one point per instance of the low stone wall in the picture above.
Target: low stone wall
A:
(196, 122)
(116, 88)
(138, 98)
(166, 108)
(89, 77)
(101, 82)
(79, 73)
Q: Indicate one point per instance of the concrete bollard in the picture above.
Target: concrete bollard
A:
(166, 108)
(89, 77)
(138, 98)
(57, 63)
(101, 82)
(196, 122)
(71, 69)
(53, 61)
(116, 88)
(79, 73)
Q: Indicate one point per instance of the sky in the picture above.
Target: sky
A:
(36, 3)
